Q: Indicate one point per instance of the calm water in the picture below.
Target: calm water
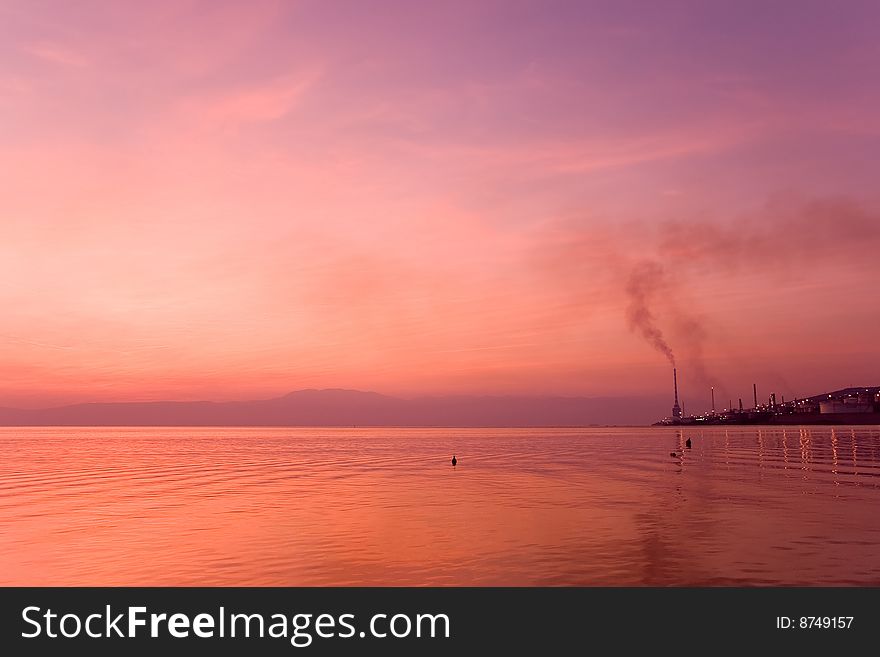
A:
(148, 506)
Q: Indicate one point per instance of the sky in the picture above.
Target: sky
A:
(233, 200)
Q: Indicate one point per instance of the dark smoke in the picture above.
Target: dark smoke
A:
(775, 240)
(692, 332)
(785, 240)
(646, 278)
(821, 231)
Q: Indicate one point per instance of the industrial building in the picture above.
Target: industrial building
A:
(846, 406)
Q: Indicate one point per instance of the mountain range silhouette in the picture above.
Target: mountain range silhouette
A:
(339, 407)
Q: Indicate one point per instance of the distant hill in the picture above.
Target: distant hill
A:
(336, 407)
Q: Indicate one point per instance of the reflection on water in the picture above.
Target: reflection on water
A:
(148, 506)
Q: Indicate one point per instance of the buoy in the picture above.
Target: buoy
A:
(673, 454)
(687, 443)
(454, 460)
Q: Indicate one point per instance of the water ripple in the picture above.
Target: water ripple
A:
(159, 506)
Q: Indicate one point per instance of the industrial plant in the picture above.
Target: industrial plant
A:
(847, 406)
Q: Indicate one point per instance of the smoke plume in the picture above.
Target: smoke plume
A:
(780, 246)
(772, 241)
(646, 278)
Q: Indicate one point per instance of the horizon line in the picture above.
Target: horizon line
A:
(492, 395)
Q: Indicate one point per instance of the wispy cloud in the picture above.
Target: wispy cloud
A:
(56, 53)
(260, 103)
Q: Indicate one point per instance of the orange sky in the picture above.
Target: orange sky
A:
(234, 200)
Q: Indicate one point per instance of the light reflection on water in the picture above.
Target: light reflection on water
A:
(232, 506)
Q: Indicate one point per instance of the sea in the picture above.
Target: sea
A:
(159, 506)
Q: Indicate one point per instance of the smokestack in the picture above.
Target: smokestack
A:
(740, 404)
(713, 400)
(676, 409)
(755, 390)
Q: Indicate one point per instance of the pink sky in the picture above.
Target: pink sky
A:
(238, 199)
